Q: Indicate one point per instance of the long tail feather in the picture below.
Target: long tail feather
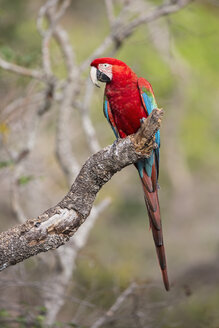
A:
(152, 203)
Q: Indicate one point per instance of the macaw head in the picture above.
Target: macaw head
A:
(109, 70)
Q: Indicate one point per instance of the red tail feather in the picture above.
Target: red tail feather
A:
(153, 208)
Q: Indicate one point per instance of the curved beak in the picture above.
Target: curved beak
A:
(93, 76)
(96, 75)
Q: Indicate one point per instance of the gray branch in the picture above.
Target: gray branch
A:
(114, 308)
(56, 225)
(32, 73)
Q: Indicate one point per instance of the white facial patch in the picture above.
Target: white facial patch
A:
(93, 75)
(106, 69)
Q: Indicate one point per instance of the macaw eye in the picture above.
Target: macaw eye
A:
(105, 65)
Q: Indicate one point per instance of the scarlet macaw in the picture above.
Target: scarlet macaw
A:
(127, 100)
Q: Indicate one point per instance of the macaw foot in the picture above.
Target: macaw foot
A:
(142, 120)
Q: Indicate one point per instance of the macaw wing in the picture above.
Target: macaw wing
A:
(109, 116)
(149, 103)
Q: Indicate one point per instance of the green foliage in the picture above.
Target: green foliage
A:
(7, 53)
(26, 59)
(4, 164)
(24, 179)
(24, 320)
(3, 313)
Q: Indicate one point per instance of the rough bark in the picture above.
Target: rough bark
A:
(56, 225)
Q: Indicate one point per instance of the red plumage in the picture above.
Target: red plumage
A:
(125, 109)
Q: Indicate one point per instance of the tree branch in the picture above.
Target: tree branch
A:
(55, 293)
(33, 73)
(163, 10)
(109, 11)
(56, 225)
(114, 308)
(121, 29)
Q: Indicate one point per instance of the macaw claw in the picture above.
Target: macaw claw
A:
(142, 120)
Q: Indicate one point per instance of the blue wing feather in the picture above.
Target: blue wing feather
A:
(106, 109)
(149, 104)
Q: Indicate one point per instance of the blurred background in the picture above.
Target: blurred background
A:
(51, 121)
